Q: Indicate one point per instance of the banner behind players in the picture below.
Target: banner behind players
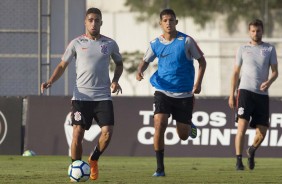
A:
(48, 130)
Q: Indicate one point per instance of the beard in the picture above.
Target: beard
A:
(257, 38)
(94, 33)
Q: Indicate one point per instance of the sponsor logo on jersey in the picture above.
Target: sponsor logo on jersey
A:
(164, 55)
(83, 40)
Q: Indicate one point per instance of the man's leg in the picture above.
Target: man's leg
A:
(76, 144)
(104, 140)
(239, 142)
(183, 130)
(160, 124)
(260, 135)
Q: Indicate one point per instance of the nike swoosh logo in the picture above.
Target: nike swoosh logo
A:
(162, 56)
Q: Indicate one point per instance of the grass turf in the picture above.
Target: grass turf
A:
(139, 170)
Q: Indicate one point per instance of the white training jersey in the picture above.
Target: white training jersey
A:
(92, 66)
(255, 61)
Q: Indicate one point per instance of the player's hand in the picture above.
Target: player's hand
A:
(264, 86)
(231, 102)
(139, 76)
(116, 88)
(196, 89)
(45, 85)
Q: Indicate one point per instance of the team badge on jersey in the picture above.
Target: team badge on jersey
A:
(264, 52)
(104, 49)
(77, 116)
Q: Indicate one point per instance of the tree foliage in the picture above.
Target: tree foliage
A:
(203, 11)
(131, 61)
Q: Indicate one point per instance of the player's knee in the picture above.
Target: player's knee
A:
(183, 136)
(76, 141)
(240, 133)
(160, 127)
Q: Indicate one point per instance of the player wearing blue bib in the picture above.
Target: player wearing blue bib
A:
(175, 71)
(173, 82)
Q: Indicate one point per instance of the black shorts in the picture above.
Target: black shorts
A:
(180, 108)
(253, 107)
(83, 113)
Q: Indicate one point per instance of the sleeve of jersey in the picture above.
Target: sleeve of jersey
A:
(116, 56)
(273, 56)
(193, 47)
(69, 52)
(239, 59)
(149, 55)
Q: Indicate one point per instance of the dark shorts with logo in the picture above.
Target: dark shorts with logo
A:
(84, 112)
(180, 108)
(253, 107)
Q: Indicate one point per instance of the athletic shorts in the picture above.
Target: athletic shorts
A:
(180, 108)
(83, 113)
(253, 107)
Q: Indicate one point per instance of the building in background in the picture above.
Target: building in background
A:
(19, 45)
(215, 41)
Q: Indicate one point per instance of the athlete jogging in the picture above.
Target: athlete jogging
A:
(173, 82)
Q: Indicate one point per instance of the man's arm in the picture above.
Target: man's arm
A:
(234, 84)
(201, 72)
(59, 70)
(117, 73)
(141, 68)
(274, 74)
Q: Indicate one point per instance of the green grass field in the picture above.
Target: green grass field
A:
(138, 170)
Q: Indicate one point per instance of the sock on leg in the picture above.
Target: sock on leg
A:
(252, 150)
(72, 160)
(239, 157)
(96, 154)
(160, 160)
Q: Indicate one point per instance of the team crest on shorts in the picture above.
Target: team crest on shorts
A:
(77, 116)
(104, 49)
(240, 111)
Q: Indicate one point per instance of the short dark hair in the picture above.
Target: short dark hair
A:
(167, 12)
(94, 10)
(257, 23)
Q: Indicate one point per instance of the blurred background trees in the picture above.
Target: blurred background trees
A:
(203, 11)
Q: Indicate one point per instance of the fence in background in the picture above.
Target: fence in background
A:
(19, 51)
(33, 36)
